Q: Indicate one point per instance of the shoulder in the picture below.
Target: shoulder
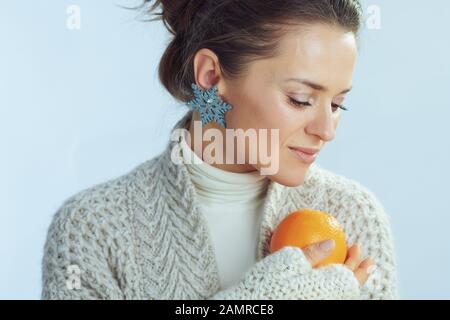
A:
(92, 233)
(97, 213)
(341, 196)
(85, 219)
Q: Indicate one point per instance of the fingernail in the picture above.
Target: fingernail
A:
(371, 269)
(327, 245)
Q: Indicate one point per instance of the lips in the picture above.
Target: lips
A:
(310, 151)
(307, 155)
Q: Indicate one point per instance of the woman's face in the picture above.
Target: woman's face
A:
(315, 67)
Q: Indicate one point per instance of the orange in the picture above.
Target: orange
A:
(304, 227)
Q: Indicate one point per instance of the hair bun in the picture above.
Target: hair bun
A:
(177, 15)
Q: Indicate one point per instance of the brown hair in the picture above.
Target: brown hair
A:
(237, 31)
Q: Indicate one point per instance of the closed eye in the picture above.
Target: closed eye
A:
(300, 104)
(340, 106)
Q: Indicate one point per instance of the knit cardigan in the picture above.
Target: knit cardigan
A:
(141, 235)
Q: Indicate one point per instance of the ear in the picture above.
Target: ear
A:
(207, 69)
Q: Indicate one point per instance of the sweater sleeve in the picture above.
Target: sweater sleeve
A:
(74, 266)
(288, 275)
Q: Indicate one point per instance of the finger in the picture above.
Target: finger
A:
(353, 257)
(363, 272)
(349, 251)
(316, 252)
(349, 254)
(366, 263)
(362, 276)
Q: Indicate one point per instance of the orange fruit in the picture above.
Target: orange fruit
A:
(304, 227)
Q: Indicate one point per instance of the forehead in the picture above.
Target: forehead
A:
(322, 53)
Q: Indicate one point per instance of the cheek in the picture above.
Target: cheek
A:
(266, 110)
(259, 109)
(249, 111)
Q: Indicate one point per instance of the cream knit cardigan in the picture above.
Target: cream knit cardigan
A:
(141, 236)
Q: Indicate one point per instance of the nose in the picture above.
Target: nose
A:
(323, 124)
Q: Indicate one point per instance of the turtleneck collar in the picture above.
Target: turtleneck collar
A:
(220, 186)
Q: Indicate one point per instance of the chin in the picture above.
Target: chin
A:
(288, 179)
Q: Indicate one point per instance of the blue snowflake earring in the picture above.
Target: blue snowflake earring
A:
(209, 105)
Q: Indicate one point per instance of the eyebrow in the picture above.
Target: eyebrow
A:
(314, 85)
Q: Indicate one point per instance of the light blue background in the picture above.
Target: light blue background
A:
(78, 107)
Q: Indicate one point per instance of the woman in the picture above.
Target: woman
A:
(176, 229)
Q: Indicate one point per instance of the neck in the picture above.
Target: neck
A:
(237, 168)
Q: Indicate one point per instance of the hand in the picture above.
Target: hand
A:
(361, 268)
(286, 275)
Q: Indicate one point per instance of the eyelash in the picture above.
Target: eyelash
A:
(299, 104)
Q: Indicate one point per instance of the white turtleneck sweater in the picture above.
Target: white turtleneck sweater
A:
(232, 205)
